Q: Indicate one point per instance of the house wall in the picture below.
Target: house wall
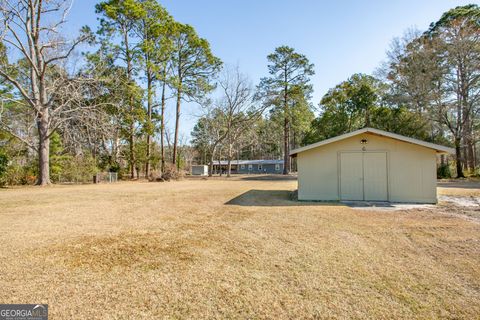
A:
(266, 168)
(411, 169)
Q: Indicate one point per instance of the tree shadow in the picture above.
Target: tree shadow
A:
(270, 177)
(272, 198)
(459, 184)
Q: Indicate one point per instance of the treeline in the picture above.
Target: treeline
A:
(104, 108)
(66, 115)
(428, 88)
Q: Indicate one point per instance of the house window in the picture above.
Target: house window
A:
(250, 167)
(242, 166)
(259, 167)
(277, 167)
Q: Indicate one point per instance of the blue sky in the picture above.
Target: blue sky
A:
(339, 37)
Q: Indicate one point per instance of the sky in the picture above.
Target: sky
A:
(340, 37)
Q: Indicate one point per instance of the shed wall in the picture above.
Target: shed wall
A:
(199, 170)
(411, 169)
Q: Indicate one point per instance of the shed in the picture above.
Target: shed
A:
(199, 170)
(369, 165)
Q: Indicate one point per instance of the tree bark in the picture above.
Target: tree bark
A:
(131, 138)
(162, 128)
(149, 119)
(229, 160)
(286, 146)
(286, 129)
(210, 165)
(177, 125)
(131, 143)
(43, 151)
(458, 154)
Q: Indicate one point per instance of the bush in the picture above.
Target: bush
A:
(443, 172)
(3, 168)
(170, 173)
(20, 174)
(67, 168)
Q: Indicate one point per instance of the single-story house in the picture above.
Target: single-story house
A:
(249, 166)
(370, 165)
(200, 170)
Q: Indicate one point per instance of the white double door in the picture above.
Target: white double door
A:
(363, 176)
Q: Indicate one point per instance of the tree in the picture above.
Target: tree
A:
(153, 28)
(193, 66)
(237, 108)
(357, 103)
(108, 129)
(457, 38)
(437, 74)
(30, 28)
(289, 74)
(119, 18)
(209, 132)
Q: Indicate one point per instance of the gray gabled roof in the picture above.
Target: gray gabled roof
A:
(436, 147)
(240, 162)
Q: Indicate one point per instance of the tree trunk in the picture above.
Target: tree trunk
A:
(210, 165)
(286, 146)
(131, 142)
(131, 138)
(149, 121)
(162, 128)
(458, 155)
(470, 152)
(229, 160)
(43, 151)
(220, 166)
(177, 125)
(286, 129)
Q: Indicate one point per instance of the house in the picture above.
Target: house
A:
(199, 170)
(371, 165)
(249, 166)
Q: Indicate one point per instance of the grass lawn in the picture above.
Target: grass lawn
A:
(234, 248)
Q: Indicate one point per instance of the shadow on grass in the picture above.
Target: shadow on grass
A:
(270, 177)
(459, 184)
(272, 198)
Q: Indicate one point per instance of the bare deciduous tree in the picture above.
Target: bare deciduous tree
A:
(30, 28)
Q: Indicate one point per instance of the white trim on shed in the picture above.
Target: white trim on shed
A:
(438, 148)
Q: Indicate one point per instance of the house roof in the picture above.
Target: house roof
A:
(436, 147)
(240, 162)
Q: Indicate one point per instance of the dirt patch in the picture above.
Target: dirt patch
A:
(465, 201)
(125, 250)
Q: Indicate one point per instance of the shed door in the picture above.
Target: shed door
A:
(363, 176)
(351, 176)
(375, 176)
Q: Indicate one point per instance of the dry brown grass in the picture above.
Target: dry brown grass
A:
(231, 249)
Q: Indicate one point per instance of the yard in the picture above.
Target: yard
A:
(236, 248)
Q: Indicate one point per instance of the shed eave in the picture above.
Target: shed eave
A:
(438, 148)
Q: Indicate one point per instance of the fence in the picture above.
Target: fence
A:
(108, 177)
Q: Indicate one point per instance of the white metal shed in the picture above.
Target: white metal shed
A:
(370, 165)
(199, 170)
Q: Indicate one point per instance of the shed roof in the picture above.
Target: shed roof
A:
(436, 147)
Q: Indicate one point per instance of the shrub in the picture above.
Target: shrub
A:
(67, 168)
(17, 174)
(443, 172)
(170, 173)
(3, 168)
